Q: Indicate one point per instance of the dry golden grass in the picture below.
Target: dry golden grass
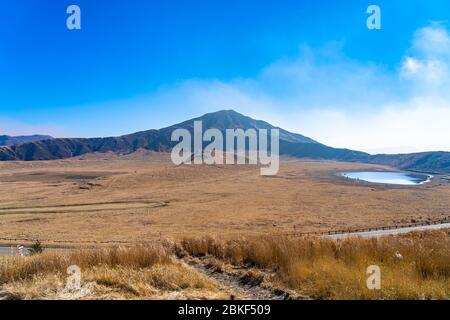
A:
(19, 268)
(314, 267)
(328, 269)
(117, 273)
(142, 196)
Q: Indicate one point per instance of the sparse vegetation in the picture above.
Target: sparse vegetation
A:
(148, 272)
(140, 198)
(314, 268)
(327, 269)
(137, 197)
(36, 248)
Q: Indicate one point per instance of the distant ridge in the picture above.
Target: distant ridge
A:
(291, 144)
(9, 140)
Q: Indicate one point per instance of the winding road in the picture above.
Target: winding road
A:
(380, 233)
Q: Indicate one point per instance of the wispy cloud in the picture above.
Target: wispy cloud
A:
(339, 101)
(428, 62)
(321, 93)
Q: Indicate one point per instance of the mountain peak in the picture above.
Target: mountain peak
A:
(291, 144)
(222, 115)
(231, 119)
(226, 112)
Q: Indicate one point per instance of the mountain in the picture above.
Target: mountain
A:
(230, 119)
(433, 162)
(291, 144)
(155, 140)
(9, 141)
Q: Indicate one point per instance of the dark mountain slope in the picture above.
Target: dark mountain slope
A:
(291, 144)
(437, 162)
(320, 151)
(230, 119)
(9, 141)
(155, 140)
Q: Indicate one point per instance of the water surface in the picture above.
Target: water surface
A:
(398, 178)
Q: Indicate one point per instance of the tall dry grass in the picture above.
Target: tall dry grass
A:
(142, 272)
(328, 269)
(22, 268)
(316, 267)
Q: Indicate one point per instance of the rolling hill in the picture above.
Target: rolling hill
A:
(291, 144)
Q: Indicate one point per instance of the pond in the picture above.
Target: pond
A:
(398, 178)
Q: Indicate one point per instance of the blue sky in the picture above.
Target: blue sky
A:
(311, 67)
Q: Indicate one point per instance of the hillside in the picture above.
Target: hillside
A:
(9, 140)
(291, 144)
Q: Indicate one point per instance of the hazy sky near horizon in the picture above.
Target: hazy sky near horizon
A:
(312, 68)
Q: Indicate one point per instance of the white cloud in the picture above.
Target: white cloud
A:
(344, 103)
(430, 71)
(432, 41)
(429, 61)
(325, 95)
(418, 125)
(411, 66)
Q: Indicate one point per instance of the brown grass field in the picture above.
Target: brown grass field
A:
(149, 272)
(216, 232)
(326, 269)
(287, 268)
(142, 197)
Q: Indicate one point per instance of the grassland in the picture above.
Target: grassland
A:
(326, 269)
(149, 272)
(223, 223)
(306, 268)
(143, 197)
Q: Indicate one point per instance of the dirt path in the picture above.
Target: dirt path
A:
(88, 207)
(238, 287)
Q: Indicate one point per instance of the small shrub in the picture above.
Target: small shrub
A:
(36, 248)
